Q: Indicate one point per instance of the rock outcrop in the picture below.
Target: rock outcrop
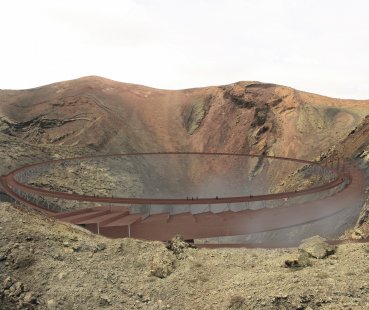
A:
(316, 247)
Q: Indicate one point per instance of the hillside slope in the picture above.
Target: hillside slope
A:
(108, 116)
(46, 264)
(95, 115)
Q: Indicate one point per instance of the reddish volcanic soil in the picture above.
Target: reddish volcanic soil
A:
(243, 117)
(104, 116)
(45, 264)
(95, 115)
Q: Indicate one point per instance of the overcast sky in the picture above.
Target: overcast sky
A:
(320, 46)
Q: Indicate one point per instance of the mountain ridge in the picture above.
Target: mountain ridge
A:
(107, 106)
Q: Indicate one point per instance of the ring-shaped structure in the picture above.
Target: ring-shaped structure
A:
(12, 181)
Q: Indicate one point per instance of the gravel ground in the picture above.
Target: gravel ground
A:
(46, 264)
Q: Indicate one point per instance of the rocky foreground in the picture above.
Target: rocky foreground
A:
(46, 264)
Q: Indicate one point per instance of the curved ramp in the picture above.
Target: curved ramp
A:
(117, 221)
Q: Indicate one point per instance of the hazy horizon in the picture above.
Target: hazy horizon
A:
(314, 46)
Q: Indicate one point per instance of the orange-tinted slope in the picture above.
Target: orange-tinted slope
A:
(243, 117)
